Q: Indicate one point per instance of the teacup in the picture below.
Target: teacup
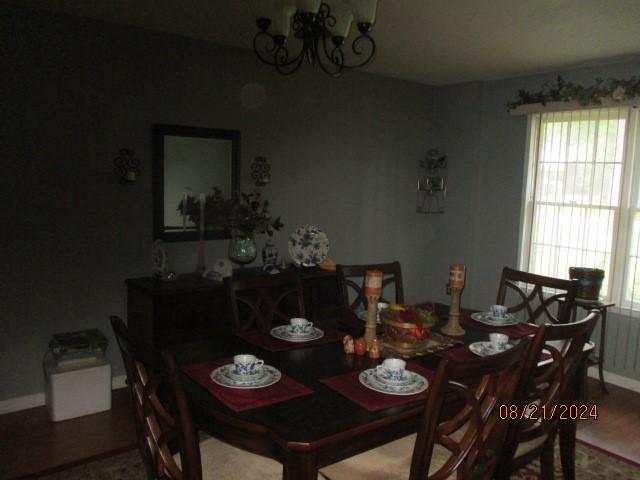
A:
(247, 364)
(498, 311)
(498, 341)
(300, 326)
(391, 369)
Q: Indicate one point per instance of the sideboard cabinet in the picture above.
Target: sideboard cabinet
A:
(164, 314)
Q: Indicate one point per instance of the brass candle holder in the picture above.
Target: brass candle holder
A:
(456, 283)
(372, 293)
(372, 313)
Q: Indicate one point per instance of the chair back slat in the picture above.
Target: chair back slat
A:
(468, 424)
(541, 299)
(351, 283)
(161, 414)
(259, 303)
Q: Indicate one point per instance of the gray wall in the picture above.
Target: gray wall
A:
(482, 229)
(344, 156)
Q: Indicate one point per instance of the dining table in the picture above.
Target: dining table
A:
(318, 413)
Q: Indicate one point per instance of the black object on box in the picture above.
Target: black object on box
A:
(79, 344)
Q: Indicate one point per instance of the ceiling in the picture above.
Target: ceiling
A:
(436, 42)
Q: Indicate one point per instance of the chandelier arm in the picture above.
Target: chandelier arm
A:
(296, 62)
(358, 50)
(269, 48)
(335, 57)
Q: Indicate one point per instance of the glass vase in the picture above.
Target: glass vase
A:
(242, 248)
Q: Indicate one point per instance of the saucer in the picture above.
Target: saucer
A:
(405, 380)
(416, 383)
(488, 319)
(484, 349)
(224, 376)
(283, 332)
(231, 373)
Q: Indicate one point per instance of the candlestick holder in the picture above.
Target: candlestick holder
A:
(372, 313)
(453, 328)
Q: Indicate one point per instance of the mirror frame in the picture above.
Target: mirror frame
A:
(159, 131)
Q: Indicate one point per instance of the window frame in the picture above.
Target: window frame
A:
(624, 211)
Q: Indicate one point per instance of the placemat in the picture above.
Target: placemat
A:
(514, 331)
(462, 353)
(272, 344)
(238, 399)
(348, 385)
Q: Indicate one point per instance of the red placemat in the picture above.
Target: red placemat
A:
(514, 331)
(238, 399)
(350, 387)
(272, 344)
(461, 354)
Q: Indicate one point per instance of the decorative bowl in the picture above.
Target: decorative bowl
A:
(407, 326)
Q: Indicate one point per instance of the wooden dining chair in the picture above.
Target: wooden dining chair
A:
(541, 299)
(163, 423)
(460, 431)
(260, 302)
(544, 387)
(351, 279)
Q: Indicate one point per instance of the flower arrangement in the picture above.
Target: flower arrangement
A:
(243, 213)
(564, 91)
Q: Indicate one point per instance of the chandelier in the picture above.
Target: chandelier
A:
(321, 29)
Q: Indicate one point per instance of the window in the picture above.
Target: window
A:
(582, 199)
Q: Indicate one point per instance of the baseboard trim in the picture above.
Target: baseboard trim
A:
(615, 379)
(37, 399)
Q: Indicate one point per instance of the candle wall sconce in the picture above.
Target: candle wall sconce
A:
(261, 172)
(432, 183)
(126, 166)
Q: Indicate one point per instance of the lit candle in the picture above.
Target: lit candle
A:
(373, 283)
(456, 275)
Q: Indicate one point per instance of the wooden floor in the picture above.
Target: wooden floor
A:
(30, 444)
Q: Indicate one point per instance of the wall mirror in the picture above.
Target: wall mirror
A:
(187, 162)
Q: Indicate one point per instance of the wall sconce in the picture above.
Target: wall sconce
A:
(126, 166)
(261, 172)
(432, 183)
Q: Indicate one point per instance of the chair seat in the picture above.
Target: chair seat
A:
(387, 462)
(222, 461)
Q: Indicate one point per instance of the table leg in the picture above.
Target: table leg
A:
(300, 466)
(603, 328)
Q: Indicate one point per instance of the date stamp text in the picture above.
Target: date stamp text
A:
(548, 412)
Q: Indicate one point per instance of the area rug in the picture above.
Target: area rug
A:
(591, 464)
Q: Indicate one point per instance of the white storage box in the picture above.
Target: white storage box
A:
(77, 388)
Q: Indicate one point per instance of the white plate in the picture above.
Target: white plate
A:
(283, 332)
(308, 246)
(362, 315)
(488, 319)
(220, 375)
(484, 349)
(417, 383)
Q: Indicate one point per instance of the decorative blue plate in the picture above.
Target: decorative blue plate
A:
(416, 384)
(308, 246)
(283, 332)
(223, 376)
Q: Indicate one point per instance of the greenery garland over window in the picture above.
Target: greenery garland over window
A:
(564, 91)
